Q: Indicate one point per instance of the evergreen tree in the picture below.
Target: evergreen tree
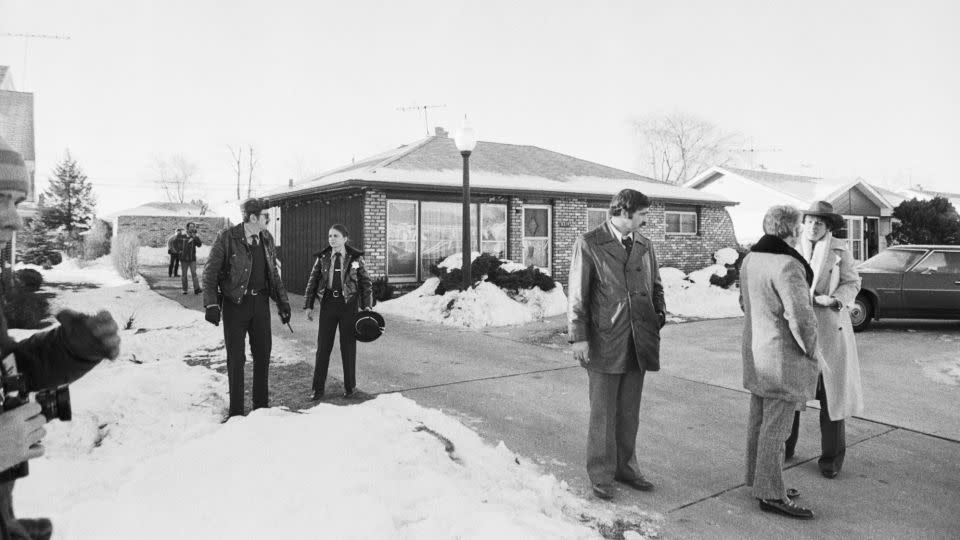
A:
(933, 221)
(68, 202)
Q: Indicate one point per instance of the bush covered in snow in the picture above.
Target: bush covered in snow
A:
(730, 259)
(487, 267)
(126, 251)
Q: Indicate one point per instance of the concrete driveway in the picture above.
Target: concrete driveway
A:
(901, 478)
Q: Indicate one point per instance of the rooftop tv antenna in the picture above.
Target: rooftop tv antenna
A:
(26, 42)
(424, 108)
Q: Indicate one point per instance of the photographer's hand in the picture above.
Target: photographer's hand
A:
(91, 338)
(21, 430)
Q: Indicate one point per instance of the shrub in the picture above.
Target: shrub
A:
(42, 256)
(29, 279)
(125, 251)
(382, 290)
(489, 266)
(24, 308)
(96, 243)
(733, 271)
(527, 278)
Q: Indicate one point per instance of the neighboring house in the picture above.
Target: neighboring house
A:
(16, 127)
(866, 211)
(919, 192)
(404, 209)
(155, 222)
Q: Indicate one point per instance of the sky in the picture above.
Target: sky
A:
(854, 88)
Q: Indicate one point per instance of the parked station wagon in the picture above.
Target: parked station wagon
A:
(909, 281)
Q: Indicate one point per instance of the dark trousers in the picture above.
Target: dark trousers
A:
(614, 422)
(336, 314)
(174, 269)
(833, 438)
(250, 317)
(192, 266)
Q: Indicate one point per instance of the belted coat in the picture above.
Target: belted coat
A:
(614, 298)
(355, 279)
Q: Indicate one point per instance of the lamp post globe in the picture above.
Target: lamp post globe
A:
(466, 141)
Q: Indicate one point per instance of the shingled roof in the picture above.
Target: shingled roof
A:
(434, 163)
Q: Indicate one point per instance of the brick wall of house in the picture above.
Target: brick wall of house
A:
(375, 232)
(569, 221)
(691, 252)
(515, 229)
(153, 231)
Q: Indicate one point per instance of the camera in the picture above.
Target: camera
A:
(54, 403)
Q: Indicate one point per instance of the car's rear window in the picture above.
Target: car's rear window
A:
(892, 260)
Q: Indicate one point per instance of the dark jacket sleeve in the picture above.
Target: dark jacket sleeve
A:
(279, 291)
(580, 279)
(45, 360)
(312, 283)
(365, 285)
(211, 270)
(659, 303)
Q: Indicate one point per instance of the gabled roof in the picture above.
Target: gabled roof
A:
(16, 122)
(163, 209)
(434, 163)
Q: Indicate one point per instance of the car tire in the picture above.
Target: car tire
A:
(861, 314)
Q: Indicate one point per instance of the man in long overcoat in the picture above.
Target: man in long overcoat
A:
(835, 287)
(616, 309)
(779, 352)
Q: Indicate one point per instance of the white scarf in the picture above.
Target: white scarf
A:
(816, 255)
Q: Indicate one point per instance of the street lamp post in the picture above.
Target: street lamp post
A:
(466, 140)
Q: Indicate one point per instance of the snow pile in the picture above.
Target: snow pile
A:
(158, 256)
(726, 256)
(97, 272)
(694, 296)
(277, 474)
(484, 305)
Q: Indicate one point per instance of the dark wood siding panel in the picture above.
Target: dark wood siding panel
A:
(304, 232)
(855, 203)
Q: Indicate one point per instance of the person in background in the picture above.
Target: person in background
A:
(835, 287)
(780, 352)
(188, 257)
(340, 281)
(242, 270)
(615, 312)
(173, 249)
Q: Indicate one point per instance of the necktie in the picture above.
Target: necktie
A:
(253, 240)
(627, 244)
(337, 282)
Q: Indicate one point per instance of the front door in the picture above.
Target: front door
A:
(871, 236)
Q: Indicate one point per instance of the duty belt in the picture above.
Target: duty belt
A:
(335, 293)
(252, 292)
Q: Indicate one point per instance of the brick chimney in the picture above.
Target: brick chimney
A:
(290, 184)
(440, 132)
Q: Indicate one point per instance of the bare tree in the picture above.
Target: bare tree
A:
(679, 146)
(203, 205)
(253, 164)
(174, 173)
(236, 165)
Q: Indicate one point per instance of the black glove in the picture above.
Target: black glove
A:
(213, 315)
(663, 318)
(284, 311)
(91, 338)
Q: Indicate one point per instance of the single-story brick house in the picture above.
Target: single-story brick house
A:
(404, 208)
(155, 222)
(866, 211)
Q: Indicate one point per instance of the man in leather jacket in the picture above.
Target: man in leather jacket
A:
(239, 278)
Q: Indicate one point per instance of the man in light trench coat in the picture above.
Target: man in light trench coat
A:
(780, 353)
(835, 287)
(616, 309)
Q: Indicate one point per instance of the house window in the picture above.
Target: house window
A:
(680, 220)
(493, 229)
(536, 236)
(854, 228)
(441, 224)
(402, 239)
(596, 217)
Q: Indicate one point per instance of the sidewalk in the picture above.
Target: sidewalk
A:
(902, 473)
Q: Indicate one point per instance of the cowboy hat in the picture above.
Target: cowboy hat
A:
(369, 326)
(823, 209)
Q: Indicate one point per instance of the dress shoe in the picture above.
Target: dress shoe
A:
(830, 474)
(317, 396)
(638, 484)
(184, 292)
(38, 528)
(786, 508)
(349, 393)
(603, 491)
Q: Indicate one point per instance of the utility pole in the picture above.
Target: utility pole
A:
(26, 42)
(426, 123)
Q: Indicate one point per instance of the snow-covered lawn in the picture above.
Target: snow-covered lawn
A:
(147, 457)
